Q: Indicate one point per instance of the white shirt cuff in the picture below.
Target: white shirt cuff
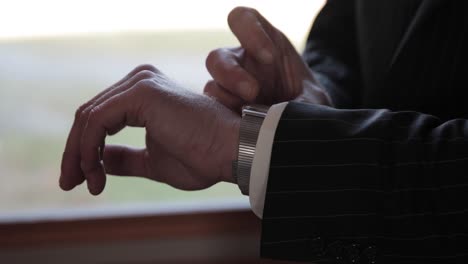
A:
(261, 162)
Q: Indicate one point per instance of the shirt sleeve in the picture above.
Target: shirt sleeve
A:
(261, 161)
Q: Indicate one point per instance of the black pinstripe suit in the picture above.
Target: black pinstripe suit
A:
(384, 177)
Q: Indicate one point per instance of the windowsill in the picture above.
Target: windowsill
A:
(224, 231)
(124, 210)
(132, 222)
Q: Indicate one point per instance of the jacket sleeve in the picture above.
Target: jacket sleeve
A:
(331, 52)
(367, 185)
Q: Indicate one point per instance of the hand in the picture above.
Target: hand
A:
(190, 138)
(266, 69)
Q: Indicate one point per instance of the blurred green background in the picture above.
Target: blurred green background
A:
(44, 80)
(57, 54)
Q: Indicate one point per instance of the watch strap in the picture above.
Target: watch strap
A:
(251, 123)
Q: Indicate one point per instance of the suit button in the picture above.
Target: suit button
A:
(335, 250)
(371, 254)
(318, 246)
(353, 252)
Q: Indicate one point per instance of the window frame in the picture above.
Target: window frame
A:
(236, 227)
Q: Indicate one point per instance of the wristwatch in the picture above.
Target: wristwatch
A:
(252, 119)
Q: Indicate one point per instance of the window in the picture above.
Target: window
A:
(57, 54)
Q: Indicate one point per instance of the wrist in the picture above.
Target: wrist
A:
(231, 149)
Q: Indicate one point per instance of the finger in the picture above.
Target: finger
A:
(224, 67)
(125, 161)
(112, 115)
(167, 169)
(223, 96)
(138, 69)
(171, 171)
(144, 73)
(249, 30)
(129, 83)
(71, 174)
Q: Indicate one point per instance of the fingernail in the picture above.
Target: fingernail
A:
(265, 57)
(244, 89)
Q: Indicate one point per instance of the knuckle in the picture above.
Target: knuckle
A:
(235, 70)
(79, 111)
(93, 114)
(146, 67)
(145, 74)
(221, 61)
(228, 71)
(144, 84)
(209, 86)
(85, 114)
(212, 58)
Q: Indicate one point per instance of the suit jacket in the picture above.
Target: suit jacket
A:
(383, 177)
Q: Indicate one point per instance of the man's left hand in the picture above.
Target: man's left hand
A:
(191, 139)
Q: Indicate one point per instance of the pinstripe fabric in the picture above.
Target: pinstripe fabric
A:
(386, 181)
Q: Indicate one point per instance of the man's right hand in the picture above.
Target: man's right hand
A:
(266, 69)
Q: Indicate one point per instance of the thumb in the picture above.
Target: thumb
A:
(252, 31)
(223, 96)
(125, 161)
(226, 70)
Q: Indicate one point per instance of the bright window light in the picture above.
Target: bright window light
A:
(56, 54)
